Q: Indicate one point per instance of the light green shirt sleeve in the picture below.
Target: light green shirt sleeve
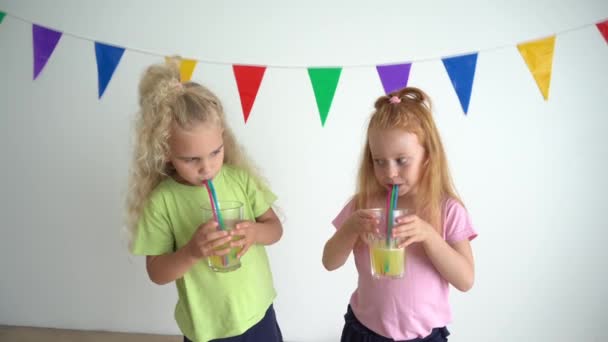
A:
(154, 234)
(260, 197)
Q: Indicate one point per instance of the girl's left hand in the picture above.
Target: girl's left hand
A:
(245, 230)
(411, 229)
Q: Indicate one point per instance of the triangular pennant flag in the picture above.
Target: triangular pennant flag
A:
(538, 55)
(394, 77)
(248, 80)
(324, 82)
(603, 27)
(45, 40)
(461, 70)
(108, 57)
(186, 68)
(2, 15)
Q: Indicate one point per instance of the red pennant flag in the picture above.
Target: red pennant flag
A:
(603, 27)
(248, 80)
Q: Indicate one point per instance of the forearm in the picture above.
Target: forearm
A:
(268, 232)
(163, 269)
(338, 248)
(452, 265)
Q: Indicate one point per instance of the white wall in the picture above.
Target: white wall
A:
(532, 173)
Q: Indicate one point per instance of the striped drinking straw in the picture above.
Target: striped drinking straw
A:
(391, 203)
(215, 208)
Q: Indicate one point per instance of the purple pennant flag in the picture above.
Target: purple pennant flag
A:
(45, 40)
(394, 77)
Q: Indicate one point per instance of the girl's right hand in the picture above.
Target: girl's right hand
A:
(206, 239)
(362, 222)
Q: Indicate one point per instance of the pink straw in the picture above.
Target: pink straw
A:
(213, 210)
(211, 201)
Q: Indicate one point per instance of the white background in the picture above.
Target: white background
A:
(532, 173)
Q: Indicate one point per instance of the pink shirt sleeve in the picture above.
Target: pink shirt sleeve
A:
(457, 225)
(344, 214)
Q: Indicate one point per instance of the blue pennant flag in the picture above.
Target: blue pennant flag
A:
(108, 57)
(461, 70)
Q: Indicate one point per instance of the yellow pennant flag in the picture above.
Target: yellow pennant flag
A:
(538, 55)
(186, 68)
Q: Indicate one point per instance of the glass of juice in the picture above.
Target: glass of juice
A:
(232, 213)
(386, 259)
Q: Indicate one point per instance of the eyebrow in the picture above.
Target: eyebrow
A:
(212, 152)
(396, 157)
(217, 149)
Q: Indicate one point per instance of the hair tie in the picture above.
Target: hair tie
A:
(394, 99)
(177, 84)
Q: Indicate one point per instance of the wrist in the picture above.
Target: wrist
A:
(188, 253)
(348, 235)
(253, 230)
(432, 240)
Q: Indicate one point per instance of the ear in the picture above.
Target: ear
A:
(169, 166)
(425, 164)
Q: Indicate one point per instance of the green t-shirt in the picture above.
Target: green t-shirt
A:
(210, 305)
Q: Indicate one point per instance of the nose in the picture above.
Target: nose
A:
(392, 171)
(204, 167)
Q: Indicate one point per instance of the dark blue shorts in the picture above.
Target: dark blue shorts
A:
(354, 331)
(266, 330)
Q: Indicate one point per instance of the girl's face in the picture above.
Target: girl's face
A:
(196, 153)
(398, 158)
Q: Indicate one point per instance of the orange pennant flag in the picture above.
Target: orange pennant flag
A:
(538, 55)
(186, 68)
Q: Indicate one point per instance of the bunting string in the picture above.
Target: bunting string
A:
(537, 55)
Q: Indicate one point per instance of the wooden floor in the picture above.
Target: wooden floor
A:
(27, 334)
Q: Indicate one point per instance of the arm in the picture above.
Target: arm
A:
(163, 269)
(454, 262)
(266, 230)
(338, 248)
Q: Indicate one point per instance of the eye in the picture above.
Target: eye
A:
(379, 162)
(216, 152)
(402, 161)
(191, 160)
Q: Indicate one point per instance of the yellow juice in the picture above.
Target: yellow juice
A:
(387, 262)
(227, 262)
(228, 214)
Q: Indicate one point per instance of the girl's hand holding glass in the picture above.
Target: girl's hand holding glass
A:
(206, 239)
(363, 222)
(245, 231)
(412, 229)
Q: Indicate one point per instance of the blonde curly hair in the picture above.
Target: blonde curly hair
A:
(165, 101)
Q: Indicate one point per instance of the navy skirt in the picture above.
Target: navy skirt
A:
(265, 330)
(355, 331)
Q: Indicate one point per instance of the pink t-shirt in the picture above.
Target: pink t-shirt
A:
(412, 306)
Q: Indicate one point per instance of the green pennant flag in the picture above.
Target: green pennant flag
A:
(2, 15)
(324, 82)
